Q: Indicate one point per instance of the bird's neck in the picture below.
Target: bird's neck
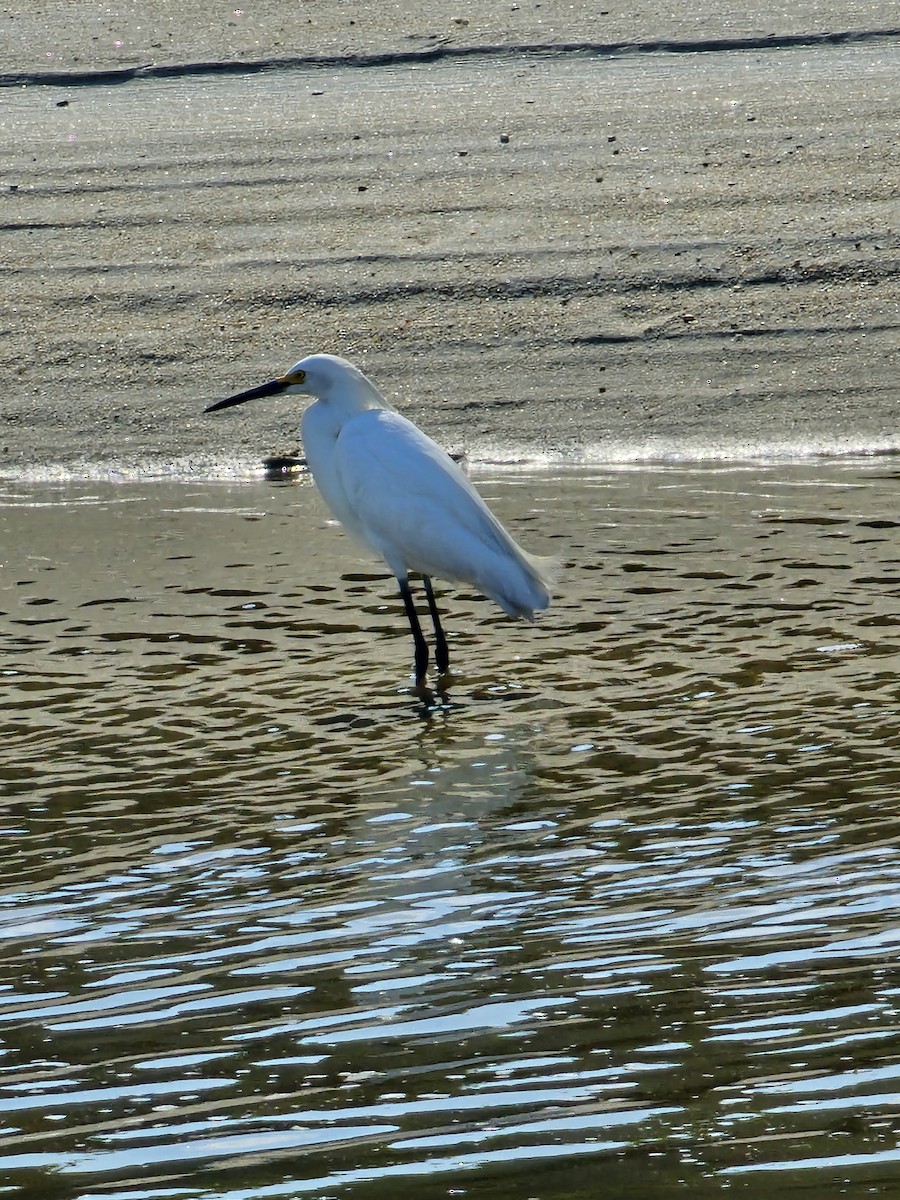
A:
(356, 395)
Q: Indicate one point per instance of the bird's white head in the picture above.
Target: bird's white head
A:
(325, 376)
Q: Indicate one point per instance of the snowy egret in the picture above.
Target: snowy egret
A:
(398, 492)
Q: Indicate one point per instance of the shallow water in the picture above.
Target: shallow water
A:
(620, 911)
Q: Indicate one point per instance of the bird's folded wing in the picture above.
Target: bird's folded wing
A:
(413, 503)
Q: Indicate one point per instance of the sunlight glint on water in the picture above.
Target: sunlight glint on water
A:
(624, 901)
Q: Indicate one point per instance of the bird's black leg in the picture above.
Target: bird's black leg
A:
(441, 652)
(418, 638)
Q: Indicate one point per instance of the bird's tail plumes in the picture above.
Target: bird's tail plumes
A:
(534, 589)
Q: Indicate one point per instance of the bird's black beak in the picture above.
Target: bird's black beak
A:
(272, 388)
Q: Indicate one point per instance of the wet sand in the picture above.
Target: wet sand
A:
(544, 233)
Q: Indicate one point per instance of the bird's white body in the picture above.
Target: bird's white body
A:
(397, 491)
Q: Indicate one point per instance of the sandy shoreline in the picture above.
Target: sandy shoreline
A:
(553, 253)
(53, 36)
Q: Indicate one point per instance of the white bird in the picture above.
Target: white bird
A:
(398, 492)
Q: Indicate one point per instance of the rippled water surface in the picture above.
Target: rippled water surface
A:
(619, 913)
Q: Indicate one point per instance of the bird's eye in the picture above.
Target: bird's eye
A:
(295, 377)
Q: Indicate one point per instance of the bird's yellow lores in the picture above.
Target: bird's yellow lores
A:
(397, 491)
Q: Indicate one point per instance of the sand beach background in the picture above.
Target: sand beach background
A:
(543, 229)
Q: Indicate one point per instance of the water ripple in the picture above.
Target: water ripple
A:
(628, 893)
